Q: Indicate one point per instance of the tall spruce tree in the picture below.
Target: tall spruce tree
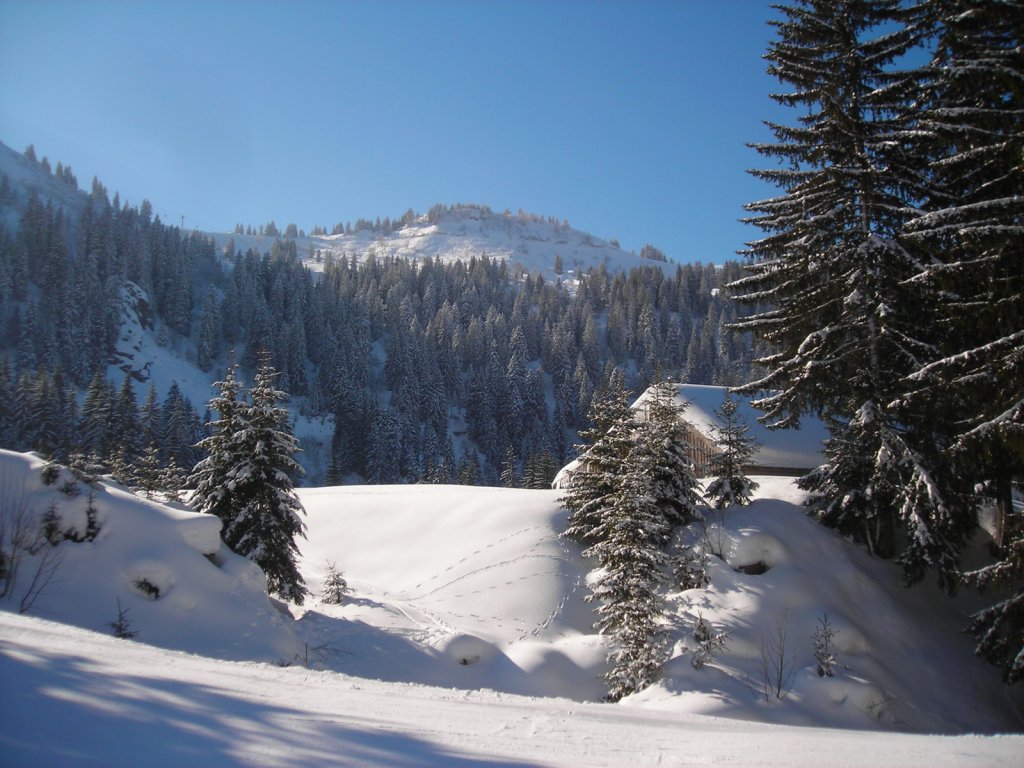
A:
(844, 321)
(269, 516)
(629, 540)
(972, 230)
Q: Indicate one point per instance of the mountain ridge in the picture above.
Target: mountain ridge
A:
(457, 232)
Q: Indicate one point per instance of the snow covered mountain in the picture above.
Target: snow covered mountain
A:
(98, 287)
(446, 233)
(533, 243)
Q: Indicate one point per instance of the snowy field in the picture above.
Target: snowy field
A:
(465, 641)
(73, 697)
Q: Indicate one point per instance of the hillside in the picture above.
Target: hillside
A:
(473, 589)
(442, 347)
(447, 234)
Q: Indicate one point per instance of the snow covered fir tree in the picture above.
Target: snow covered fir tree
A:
(890, 268)
(631, 488)
(730, 485)
(248, 479)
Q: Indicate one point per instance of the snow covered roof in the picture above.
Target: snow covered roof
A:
(784, 448)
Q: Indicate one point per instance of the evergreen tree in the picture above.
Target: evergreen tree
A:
(671, 481)
(146, 474)
(731, 485)
(97, 409)
(1000, 627)
(335, 588)
(628, 549)
(150, 418)
(171, 481)
(124, 425)
(260, 485)
(845, 320)
(972, 229)
(180, 428)
(508, 469)
(8, 418)
(594, 481)
(212, 476)
(210, 333)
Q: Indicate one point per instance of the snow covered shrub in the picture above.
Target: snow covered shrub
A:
(710, 642)
(51, 525)
(85, 467)
(147, 588)
(75, 534)
(50, 473)
(824, 647)
(690, 569)
(122, 627)
(335, 588)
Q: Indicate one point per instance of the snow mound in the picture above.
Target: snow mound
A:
(479, 576)
(163, 565)
(903, 661)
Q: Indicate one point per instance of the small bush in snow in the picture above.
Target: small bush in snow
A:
(50, 473)
(70, 487)
(51, 525)
(690, 569)
(122, 627)
(824, 647)
(778, 660)
(710, 642)
(335, 588)
(148, 588)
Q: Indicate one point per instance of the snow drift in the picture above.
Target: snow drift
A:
(164, 565)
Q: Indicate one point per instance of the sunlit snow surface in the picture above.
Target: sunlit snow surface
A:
(466, 640)
(75, 698)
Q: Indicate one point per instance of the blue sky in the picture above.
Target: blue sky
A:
(629, 119)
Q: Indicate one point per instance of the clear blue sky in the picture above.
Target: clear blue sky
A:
(627, 118)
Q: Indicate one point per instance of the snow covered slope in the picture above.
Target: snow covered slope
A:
(437, 564)
(77, 698)
(165, 565)
(27, 178)
(470, 587)
(474, 588)
(465, 232)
